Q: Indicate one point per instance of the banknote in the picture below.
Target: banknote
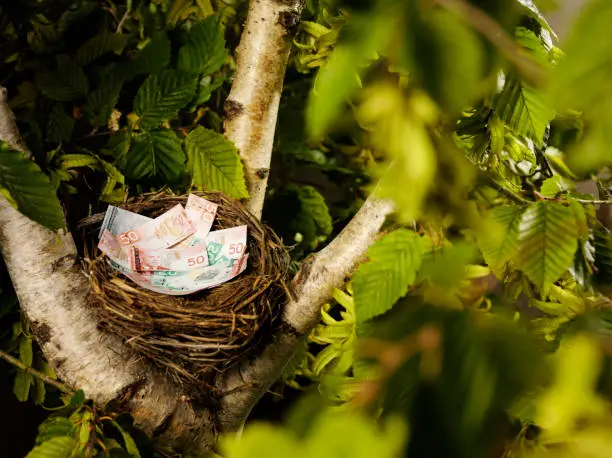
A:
(164, 231)
(188, 258)
(187, 282)
(110, 247)
(224, 244)
(118, 220)
(201, 213)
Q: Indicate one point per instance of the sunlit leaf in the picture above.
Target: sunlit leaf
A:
(548, 234)
(500, 243)
(392, 265)
(214, 163)
(57, 447)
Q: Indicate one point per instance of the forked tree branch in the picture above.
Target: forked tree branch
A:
(314, 284)
(52, 288)
(251, 109)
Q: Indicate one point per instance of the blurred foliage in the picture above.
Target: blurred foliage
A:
(478, 325)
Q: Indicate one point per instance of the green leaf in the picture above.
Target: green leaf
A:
(155, 154)
(548, 238)
(524, 109)
(582, 82)
(58, 447)
(161, 97)
(21, 385)
(78, 399)
(59, 125)
(500, 243)
(535, 12)
(100, 103)
(339, 78)
(40, 392)
(66, 84)
(204, 49)
(392, 265)
(554, 185)
(214, 163)
(313, 204)
(26, 355)
(54, 427)
(130, 444)
(447, 57)
(150, 60)
(29, 188)
(603, 257)
(99, 45)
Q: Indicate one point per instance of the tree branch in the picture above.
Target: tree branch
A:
(314, 284)
(252, 106)
(52, 291)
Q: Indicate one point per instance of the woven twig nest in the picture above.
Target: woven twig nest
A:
(193, 337)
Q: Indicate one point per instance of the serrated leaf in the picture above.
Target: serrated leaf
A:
(161, 97)
(554, 185)
(26, 355)
(54, 427)
(100, 103)
(603, 257)
(99, 45)
(59, 125)
(155, 154)
(392, 265)
(67, 83)
(150, 60)
(548, 238)
(204, 48)
(500, 244)
(214, 163)
(58, 447)
(524, 109)
(21, 385)
(535, 12)
(29, 188)
(313, 203)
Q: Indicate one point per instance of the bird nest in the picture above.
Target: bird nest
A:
(196, 336)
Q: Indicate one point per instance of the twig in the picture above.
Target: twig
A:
(481, 21)
(39, 375)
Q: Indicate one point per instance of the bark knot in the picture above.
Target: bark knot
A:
(262, 173)
(232, 108)
(289, 20)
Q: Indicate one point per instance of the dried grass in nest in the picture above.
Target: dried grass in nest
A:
(193, 337)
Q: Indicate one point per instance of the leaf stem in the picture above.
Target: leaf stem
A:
(29, 370)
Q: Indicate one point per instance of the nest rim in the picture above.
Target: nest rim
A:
(193, 337)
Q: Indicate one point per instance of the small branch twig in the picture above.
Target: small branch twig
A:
(33, 372)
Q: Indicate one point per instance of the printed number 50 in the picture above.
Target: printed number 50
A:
(236, 248)
(195, 261)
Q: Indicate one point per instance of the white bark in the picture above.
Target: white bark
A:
(252, 106)
(51, 289)
(314, 284)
